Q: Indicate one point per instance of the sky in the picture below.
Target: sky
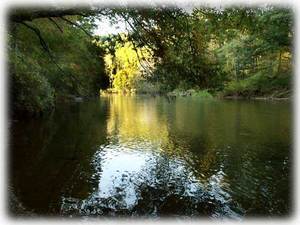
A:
(104, 27)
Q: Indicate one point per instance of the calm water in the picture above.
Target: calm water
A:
(153, 157)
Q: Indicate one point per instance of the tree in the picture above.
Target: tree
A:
(56, 55)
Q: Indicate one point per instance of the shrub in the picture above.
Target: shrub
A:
(35, 94)
(191, 92)
(200, 93)
(258, 84)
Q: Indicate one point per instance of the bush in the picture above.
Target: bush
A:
(259, 84)
(191, 92)
(32, 93)
(143, 86)
(200, 93)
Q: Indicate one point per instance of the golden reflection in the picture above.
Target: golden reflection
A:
(132, 119)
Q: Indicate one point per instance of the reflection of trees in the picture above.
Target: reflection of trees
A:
(135, 119)
(207, 158)
(256, 160)
(246, 141)
(51, 156)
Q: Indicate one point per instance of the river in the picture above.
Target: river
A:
(143, 156)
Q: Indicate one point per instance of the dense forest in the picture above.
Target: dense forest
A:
(54, 55)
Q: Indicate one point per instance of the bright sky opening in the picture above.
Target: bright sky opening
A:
(105, 27)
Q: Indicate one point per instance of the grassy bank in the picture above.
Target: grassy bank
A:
(259, 86)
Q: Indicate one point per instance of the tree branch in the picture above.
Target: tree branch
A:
(19, 16)
(46, 48)
(53, 21)
(41, 39)
(77, 25)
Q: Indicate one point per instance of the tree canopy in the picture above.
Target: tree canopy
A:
(239, 51)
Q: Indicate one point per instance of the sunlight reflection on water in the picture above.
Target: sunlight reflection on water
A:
(124, 175)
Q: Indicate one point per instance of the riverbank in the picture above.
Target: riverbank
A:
(257, 98)
(19, 113)
(200, 93)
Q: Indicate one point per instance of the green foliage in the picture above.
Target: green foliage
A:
(145, 87)
(237, 51)
(200, 93)
(191, 92)
(32, 92)
(123, 63)
(73, 66)
(216, 49)
(258, 85)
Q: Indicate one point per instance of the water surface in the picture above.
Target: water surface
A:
(145, 156)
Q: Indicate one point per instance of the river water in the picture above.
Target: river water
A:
(143, 156)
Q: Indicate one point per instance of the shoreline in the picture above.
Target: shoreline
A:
(257, 98)
(265, 98)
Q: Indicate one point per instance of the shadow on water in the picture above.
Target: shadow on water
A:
(149, 157)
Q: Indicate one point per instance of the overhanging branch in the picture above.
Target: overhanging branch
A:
(38, 33)
(53, 21)
(45, 47)
(19, 16)
(77, 25)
